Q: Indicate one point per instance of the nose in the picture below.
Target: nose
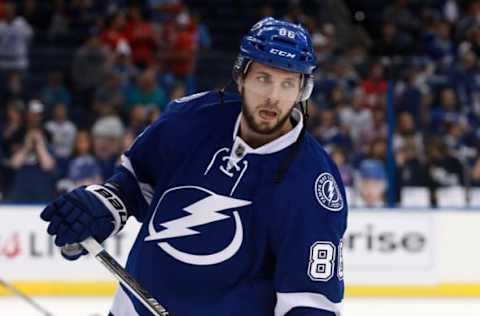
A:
(275, 93)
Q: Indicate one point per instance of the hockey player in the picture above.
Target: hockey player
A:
(242, 211)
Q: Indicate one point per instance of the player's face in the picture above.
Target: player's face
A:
(269, 95)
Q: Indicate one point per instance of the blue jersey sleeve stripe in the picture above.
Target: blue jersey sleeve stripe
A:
(146, 189)
(287, 301)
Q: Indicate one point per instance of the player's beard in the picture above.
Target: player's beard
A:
(249, 115)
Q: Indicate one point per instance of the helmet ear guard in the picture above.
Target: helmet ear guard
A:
(306, 88)
(240, 67)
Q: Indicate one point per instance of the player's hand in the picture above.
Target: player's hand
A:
(76, 215)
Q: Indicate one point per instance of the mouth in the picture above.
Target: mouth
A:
(267, 115)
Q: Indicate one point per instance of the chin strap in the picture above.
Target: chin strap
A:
(293, 151)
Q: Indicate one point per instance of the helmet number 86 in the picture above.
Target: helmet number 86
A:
(287, 33)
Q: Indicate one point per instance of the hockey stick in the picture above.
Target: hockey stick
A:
(27, 299)
(96, 250)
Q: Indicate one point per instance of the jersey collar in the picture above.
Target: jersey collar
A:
(276, 144)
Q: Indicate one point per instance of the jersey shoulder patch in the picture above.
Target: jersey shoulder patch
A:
(328, 193)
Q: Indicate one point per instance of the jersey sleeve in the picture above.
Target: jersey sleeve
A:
(150, 162)
(308, 249)
(144, 164)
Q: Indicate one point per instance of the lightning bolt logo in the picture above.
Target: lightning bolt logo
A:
(331, 191)
(202, 212)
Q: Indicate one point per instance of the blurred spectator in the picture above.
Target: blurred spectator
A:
(464, 77)
(377, 129)
(410, 170)
(146, 92)
(91, 65)
(375, 87)
(451, 11)
(471, 18)
(457, 142)
(12, 128)
(345, 169)
(141, 37)
(107, 135)
(83, 168)
(33, 162)
(182, 48)
(443, 168)
(11, 138)
(14, 88)
(55, 91)
(324, 42)
(356, 118)
(415, 96)
(109, 97)
(448, 111)
(123, 66)
(62, 131)
(137, 119)
(15, 35)
(204, 37)
(372, 180)
(407, 135)
(438, 42)
(393, 41)
(329, 133)
(115, 32)
(59, 27)
(409, 157)
(164, 79)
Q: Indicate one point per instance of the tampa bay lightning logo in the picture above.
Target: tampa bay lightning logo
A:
(203, 207)
(327, 192)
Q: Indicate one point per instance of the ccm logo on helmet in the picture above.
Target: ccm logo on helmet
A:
(282, 53)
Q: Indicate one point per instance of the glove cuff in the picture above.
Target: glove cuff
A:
(112, 202)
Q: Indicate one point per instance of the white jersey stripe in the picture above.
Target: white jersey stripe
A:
(122, 306)
(287, 301)
(145, 188)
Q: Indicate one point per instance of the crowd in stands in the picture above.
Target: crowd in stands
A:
(132, 57)
(124, 70)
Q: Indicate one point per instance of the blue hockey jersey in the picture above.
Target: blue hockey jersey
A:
(220, 236)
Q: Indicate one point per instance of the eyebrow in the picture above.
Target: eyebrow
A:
(261, 72)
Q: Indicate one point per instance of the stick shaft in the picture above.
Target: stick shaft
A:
(29, 300)
(95, 249)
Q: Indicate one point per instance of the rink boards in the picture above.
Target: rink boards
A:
(387, 252)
